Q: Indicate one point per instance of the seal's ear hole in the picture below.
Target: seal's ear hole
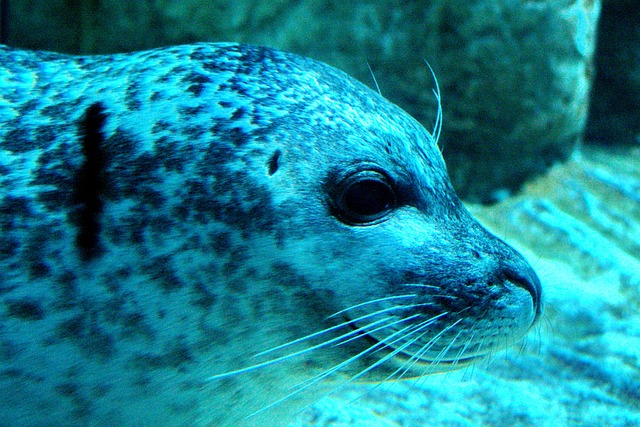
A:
(273, 162)
(364, 198)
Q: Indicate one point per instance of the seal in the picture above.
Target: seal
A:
(218, 234)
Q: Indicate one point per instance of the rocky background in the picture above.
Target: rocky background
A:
(515, 74)
(541, 104)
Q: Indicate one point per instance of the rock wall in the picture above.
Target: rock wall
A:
(515, 75)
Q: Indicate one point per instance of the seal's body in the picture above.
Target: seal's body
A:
(167, 215)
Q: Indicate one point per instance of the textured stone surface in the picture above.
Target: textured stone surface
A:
(515, 78)
(615, 101)
(580, 228)
(515, 75)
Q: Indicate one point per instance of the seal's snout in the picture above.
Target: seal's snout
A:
(524, 277)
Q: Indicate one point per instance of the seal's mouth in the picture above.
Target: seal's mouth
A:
(434, 365)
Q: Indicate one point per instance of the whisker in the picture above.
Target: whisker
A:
(441, 355)
(297, 353)
(538, 339)
(374, 78)
(363, 332)
(445, 351)
(317, 346)
(418, 328)
(437, 127)
(479, 346)
(468, 374)
(463, 350)
(377, 344)
(333, 328)
(432, 341)
(422, 285)
(371, 302)
(381, 344)
(308, 383)
(418, 355)
(395, 350)
(369, 332)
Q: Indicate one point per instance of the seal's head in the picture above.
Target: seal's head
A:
(366, 217)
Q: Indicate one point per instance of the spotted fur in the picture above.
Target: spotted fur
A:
(167, 214)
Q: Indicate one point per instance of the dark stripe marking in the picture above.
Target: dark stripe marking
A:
(90, 183)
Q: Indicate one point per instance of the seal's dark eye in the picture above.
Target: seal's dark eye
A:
(364, 198)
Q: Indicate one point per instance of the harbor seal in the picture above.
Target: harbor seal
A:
(218, 234)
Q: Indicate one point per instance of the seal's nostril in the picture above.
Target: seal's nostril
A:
(527, 278)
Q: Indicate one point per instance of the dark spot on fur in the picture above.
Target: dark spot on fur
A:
(273, 162)
(81, 405)
(198, 82)
(67, 389)
(231, 135)
(134, 325)
(25, 309)
(174, 155)
(131, 98)
(222, 243)
(45, 134)
(193, 132)
(191, 111)
(35, 253)
(55, 197)
(204, 298)
(9, 246)
(131, 230)
(55, 110)
(150, 196)
(175, 355)
(16, 207)
(286, 276)
(237, 259)
(134, 175)
(84, 330)
(29, 106)
(159, 126)
(163, 274)
(239, 113)
(160, 224)
(237, 287)
(198, 203)
(39, 268)
(13, 373)
(100, 390)
(18, 140)
(179, 354)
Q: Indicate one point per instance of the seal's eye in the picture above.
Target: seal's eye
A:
(364, 198)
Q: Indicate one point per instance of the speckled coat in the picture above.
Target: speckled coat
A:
(165, 215)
